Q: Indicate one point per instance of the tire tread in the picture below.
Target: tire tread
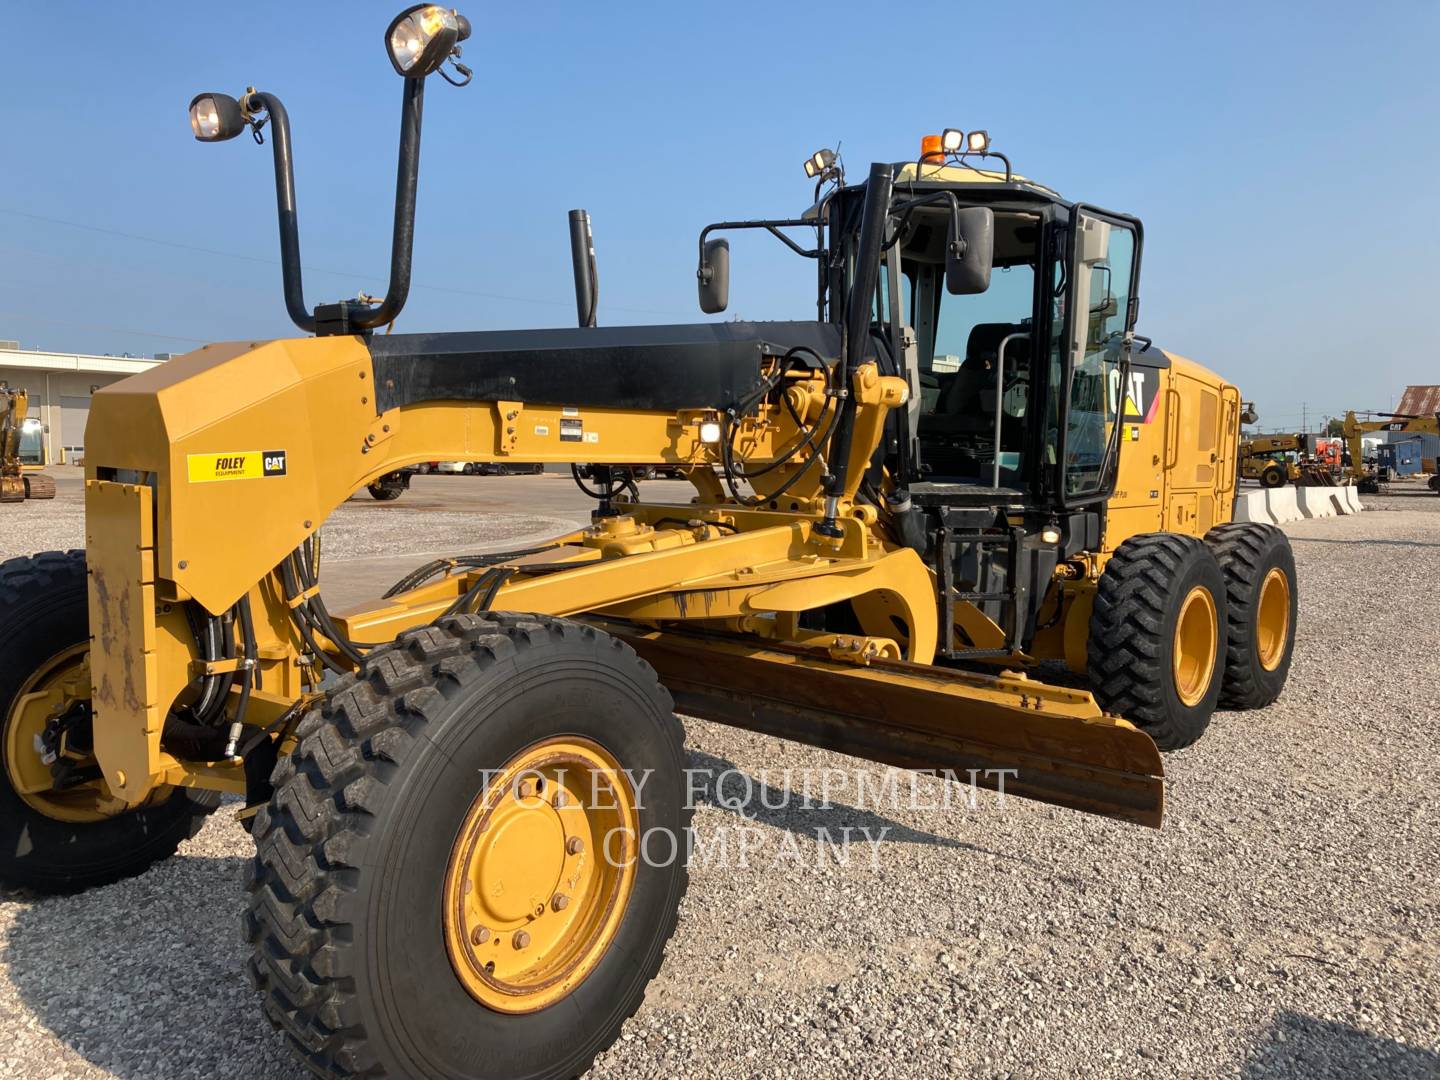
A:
(311, 839)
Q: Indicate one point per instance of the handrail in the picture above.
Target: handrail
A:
(1000, 398)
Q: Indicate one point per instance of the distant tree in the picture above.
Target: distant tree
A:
(1335, 428)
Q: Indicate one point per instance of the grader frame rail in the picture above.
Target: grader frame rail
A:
(452, 785)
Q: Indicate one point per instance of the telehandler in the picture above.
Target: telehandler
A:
(467, 796)
(22, 450)
(1268, 459)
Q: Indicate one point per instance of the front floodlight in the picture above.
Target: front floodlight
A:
(952, 140)
(818, 162)
(422, 38)
(216, 117)
(709, 432)
(977, 142)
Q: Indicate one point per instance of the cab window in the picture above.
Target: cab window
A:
(1099, 291)
(960, 338)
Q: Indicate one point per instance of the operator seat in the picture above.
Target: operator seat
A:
(967, 402)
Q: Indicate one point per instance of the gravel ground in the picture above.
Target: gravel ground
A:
(1284, 922)
(360, 527)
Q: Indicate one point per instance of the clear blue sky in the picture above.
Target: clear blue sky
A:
(1285, 163)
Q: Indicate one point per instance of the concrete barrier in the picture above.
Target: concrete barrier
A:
(1284, 504)
(1317, 502)
(1250, 506)
(1277, 506)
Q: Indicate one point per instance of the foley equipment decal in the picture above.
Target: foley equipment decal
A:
(235, 465)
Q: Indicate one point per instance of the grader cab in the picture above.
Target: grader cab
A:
(912, 513)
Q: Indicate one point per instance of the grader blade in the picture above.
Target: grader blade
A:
(1042, 742)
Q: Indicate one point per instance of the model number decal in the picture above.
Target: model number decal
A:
(235, 465)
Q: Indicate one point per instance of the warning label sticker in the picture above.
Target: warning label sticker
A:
(571, 430)
(235, 465)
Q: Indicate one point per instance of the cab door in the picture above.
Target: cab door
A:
(1101, 304)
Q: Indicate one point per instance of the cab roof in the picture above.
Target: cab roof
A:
(965, 176)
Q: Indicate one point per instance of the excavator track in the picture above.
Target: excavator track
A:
(39, 486)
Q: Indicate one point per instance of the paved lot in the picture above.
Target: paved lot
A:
(1284, 922)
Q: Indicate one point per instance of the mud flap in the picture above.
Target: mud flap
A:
(1043, 742)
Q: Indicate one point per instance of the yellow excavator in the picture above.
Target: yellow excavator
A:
(1368, 478)
(22, 450)
(468, 795)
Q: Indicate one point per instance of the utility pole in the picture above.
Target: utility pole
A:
(1304, 419)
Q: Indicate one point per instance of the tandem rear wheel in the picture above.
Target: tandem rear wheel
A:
(60, 829)
(474, 857)
(1157, 646)
(1262, 601)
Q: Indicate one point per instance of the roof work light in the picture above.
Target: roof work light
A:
(818, 162)
(423, 37)
(215, 117)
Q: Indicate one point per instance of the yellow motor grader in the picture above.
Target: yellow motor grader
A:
(467, 795)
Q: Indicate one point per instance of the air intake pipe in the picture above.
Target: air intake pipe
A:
(587, 277)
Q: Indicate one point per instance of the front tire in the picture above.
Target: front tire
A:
(1273, 476)
(369, 959)
(64, 841)
(1156, 653)
(1263, 603)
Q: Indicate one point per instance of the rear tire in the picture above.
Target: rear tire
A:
(1157, 636)
(349, 919)
(44, 611)
(1263, 603)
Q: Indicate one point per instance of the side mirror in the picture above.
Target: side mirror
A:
(714, 276)
(970, 251)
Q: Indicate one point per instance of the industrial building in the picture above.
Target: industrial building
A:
(1421, 400)
(60, 385)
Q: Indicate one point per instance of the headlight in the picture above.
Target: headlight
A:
(215, 117)
(420, 39)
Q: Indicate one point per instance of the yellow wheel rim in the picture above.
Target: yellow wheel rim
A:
(1196, 634)
(54, 688)
(540, 875)
(1272, 619)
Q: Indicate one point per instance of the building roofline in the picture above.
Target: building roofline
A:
(75, 362)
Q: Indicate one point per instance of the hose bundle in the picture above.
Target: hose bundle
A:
(814, 441)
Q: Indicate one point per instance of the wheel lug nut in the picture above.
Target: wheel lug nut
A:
(480, 935)
(560, 902)
(521, 939)
(527, 788)
(574, 845)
